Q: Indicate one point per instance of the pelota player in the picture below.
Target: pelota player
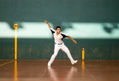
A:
(59, 44)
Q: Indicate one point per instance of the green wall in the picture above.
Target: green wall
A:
(57, 12)
(106, 49)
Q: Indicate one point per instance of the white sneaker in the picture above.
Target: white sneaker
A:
(74, 62)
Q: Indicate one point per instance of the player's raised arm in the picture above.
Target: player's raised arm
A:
(47, 23)
(72, 39)
(52, 30)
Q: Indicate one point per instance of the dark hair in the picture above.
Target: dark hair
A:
(58, 27)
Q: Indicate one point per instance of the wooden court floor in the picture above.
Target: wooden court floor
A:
(61, 70)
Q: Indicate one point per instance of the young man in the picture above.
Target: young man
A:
(59, 44)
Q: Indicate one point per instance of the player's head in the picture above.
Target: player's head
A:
(58, 29)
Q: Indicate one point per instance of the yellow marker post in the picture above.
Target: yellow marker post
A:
(15, 26)
(83, 54)
(83, 63)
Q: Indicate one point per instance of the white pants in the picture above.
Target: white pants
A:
(56, 50)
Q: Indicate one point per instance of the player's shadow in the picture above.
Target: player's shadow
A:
(110, 27)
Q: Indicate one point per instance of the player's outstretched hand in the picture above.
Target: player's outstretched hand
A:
(75, 41)
(46, 21)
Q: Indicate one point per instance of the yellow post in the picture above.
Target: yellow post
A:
(15, 26)
(83, 54)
